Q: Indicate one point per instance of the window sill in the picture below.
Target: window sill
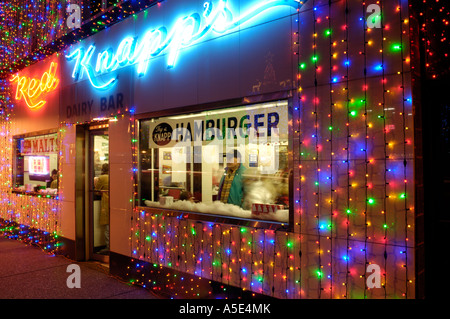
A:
(35, 194)
(219, 219)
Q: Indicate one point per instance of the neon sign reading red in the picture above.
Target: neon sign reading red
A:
(32, 89)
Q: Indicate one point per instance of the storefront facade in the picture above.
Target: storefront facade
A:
(317, 105)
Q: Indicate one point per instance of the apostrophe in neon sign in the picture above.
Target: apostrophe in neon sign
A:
(217, 18)
(32, 89)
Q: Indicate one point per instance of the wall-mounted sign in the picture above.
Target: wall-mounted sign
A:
(217, 17)
(267, 121)
(33, 90)
(39, 145)
(162, 134)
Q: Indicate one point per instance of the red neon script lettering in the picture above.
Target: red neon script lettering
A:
(30, 89)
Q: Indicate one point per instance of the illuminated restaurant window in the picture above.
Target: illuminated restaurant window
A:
(231, 162)
(35, 168)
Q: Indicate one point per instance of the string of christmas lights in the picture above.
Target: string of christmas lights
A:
(355, 109)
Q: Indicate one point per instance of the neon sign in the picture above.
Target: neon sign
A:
(38, 165)
(31, 89)
(186, 31)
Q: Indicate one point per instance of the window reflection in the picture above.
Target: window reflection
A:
(231, 162)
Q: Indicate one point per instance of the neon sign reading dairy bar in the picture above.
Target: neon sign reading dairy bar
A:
(217, 18)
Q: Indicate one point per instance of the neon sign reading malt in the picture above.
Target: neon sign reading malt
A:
(215, 18)
(32, 89)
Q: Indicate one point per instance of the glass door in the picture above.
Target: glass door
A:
(98, 188)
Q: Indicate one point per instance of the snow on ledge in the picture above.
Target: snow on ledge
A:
(219, 208)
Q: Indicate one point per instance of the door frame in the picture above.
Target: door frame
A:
(83, 195)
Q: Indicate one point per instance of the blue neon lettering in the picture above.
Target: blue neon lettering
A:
(83, 64)
(186, 31)
(105, 61)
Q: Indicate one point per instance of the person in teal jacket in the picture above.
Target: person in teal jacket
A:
(231, 189)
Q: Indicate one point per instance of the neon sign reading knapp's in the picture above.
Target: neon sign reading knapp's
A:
(215, 18)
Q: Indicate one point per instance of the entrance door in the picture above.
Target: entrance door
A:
(98, 192)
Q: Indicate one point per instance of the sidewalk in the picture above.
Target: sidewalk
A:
(27, 272)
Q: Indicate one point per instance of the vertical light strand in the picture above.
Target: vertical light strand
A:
(400, 12)
(366, 137)
(252, 252)
(263, 263)
(297, 131)
(383, 105)
(286, 268)
(6, 108)
(61, 159)
(330, 141)
(239, 256)
(213, 253)
(134, 209)
(273, 237)
(347, 149)
(201, 249)
(222, 251)
(230, 245)
(316, 157)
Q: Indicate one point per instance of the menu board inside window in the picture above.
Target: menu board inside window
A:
(36, 164)
(231, 162)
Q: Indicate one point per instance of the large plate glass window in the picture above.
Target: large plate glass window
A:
(35, 168)
(231, 162)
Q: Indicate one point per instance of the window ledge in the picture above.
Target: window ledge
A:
(218, 219)
(35, 194)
